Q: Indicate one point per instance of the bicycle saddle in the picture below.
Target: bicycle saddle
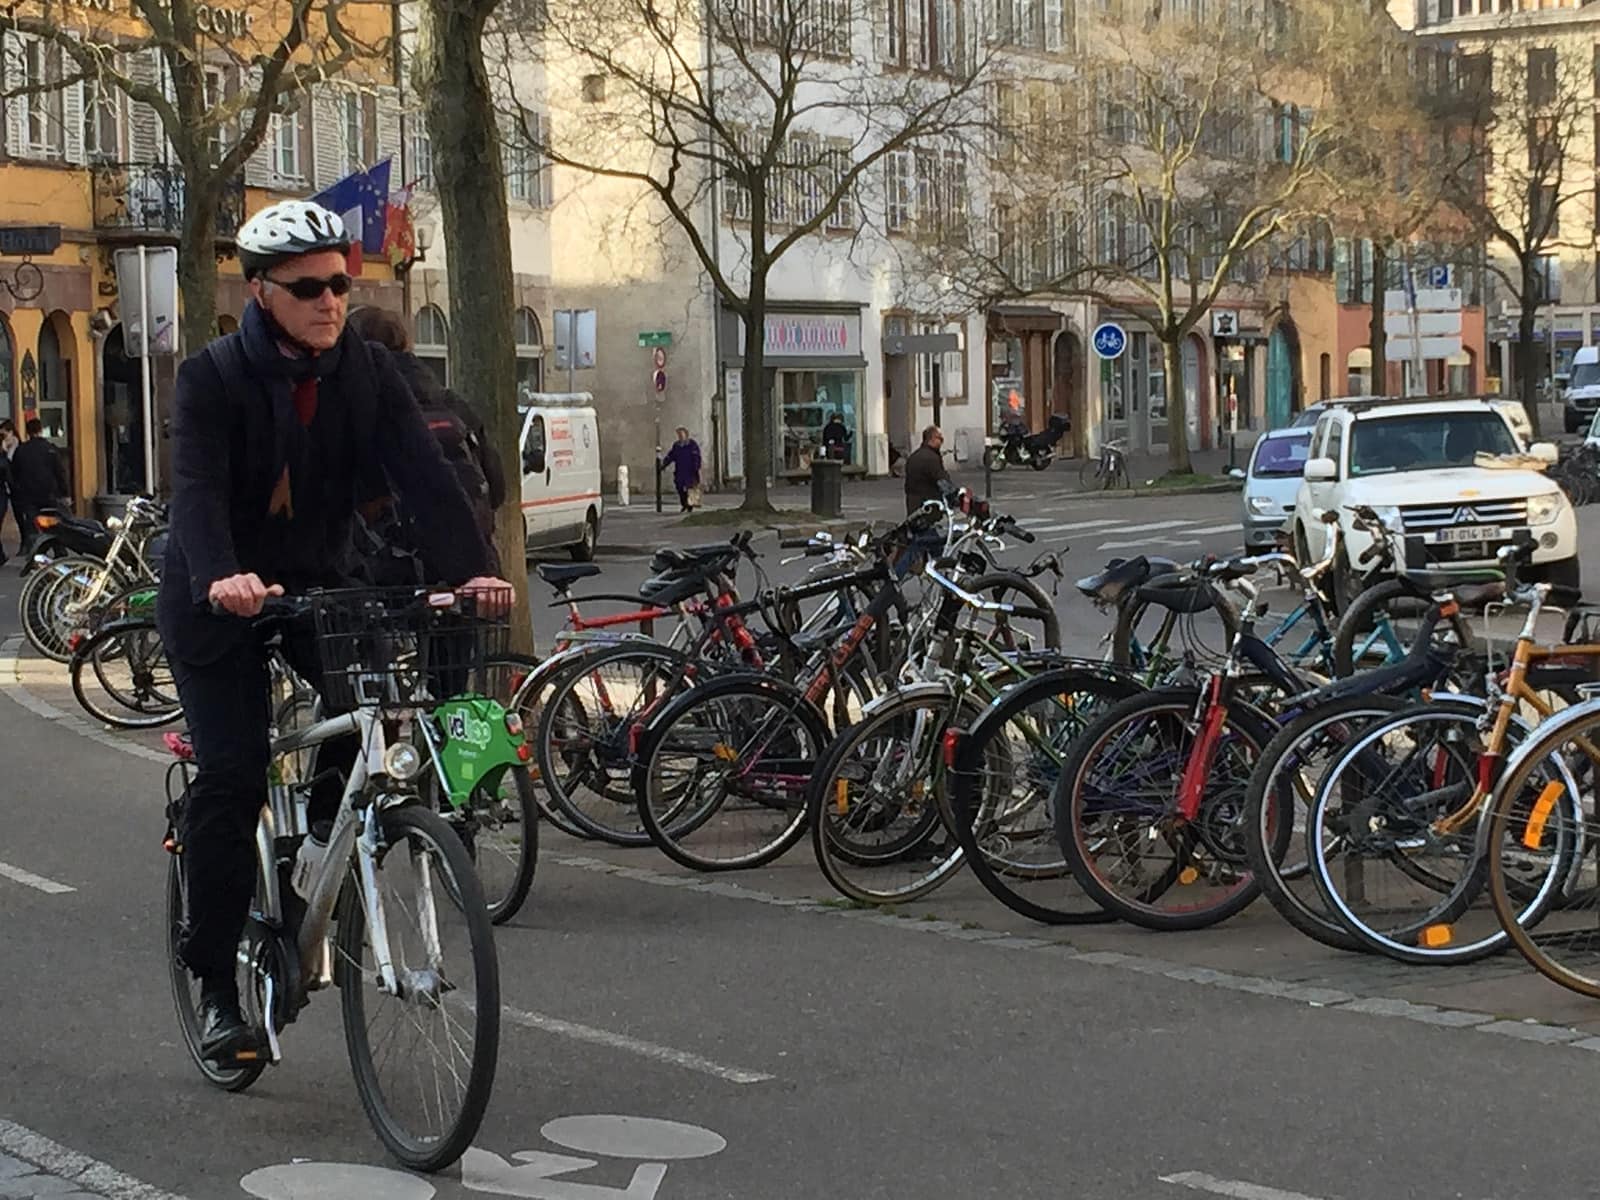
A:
(666, 588)
(1119, 575)
(564, 575)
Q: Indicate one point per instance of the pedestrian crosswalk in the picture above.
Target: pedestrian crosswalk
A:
(1129, 533)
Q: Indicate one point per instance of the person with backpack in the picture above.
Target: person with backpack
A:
(452, 421)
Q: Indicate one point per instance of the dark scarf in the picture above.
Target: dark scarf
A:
(278, 373)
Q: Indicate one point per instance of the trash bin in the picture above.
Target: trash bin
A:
(827, 487)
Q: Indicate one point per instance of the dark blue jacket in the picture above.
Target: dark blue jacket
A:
(685, 460)
(235, 434)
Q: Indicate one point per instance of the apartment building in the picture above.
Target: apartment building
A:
(1542, 60)
(85, 172)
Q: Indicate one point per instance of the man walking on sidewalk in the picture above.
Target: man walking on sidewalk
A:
(38, 480)
(925, 471)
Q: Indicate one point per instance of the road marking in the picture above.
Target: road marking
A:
(37, 882)
(92, 1174)
(633, 1045)
(1230, 527)
(1074, 525)
(1149, 541)
(617, 1136)
(1199, 1181)
(1157, 525)
(12, 687)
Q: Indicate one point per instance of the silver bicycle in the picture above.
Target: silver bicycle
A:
(385, 905)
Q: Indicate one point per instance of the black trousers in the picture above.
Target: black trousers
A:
(226, 704)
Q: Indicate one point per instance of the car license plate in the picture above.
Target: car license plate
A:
(1469, 533)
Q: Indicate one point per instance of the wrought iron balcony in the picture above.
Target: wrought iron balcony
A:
(149, 198)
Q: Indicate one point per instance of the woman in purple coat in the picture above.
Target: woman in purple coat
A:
(684, 457)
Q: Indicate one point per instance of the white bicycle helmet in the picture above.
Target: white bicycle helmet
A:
(287, 230)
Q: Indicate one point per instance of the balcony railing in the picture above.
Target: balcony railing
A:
(149, 198)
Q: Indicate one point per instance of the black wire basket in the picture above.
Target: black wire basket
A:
(407, 647)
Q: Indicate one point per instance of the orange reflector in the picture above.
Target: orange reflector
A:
(1188, 875)
(247, 1055)
(1435, 937)
(1533, 834)
(725, 752)
(46, 522)
(1449, 608)
(841, 796)
(524, 752)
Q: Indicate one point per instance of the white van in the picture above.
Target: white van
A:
(1581, 399)
(561, 504)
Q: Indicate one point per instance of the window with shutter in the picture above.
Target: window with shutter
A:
(288, 165)
(102, 122)
(329, 152)
(259, 167)
(899, 171)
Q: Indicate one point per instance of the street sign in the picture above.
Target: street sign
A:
(1438, 276)
(921, 343)
(659, 357)
(1428, 300)
(1401, 349)
(1109, 340)
(655, 337)
(1433, 330)
(660, 380)
(1225, 322)
(28, 240)
(1429, 324)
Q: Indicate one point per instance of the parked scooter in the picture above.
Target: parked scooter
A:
(1035, 450)
(59, 533)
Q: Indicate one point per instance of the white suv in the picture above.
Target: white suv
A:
(1413, 461)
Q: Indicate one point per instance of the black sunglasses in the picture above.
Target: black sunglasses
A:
(311, 289)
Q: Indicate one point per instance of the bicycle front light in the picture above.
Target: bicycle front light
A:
(402, 762)
(1544, 509)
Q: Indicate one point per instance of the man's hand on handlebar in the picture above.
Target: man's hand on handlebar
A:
(242, 595)
(493, 595)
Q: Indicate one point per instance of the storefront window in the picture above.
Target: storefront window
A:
(806, 402)
(1158, 381)
(7, 373)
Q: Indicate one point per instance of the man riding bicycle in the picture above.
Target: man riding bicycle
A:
(280, 431)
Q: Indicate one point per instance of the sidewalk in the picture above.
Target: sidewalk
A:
(638, 528)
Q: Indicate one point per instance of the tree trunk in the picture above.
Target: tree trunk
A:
(453, 80)
(1527, 322)
(756, 410)
(1177, 403)
(197, 263)
(1377, 338)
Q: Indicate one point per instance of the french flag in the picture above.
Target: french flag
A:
(362, 202)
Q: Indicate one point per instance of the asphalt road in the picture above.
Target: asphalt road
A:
(830, 1053)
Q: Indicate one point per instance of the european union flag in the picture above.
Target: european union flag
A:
(367, 191)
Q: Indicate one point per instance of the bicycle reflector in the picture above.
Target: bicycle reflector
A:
(46, 522)
(952, 747)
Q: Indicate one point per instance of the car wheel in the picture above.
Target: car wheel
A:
(583, 551)
(1563, 573)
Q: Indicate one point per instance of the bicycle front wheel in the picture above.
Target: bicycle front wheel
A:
(424, 1055)
(121, 678)
(499, 825)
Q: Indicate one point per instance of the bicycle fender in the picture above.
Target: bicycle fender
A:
(916, 690)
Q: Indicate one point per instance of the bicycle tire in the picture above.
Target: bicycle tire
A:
(1404, 940)
(1132, 609)
(1088, 473)
(618, 827)
(128, 714)
(1538, 947)
(461, 890)
(995, 585)
(36, 626)
(1267, 865)
(828, 798)
(503, 903)
(670, 829)
(185, 994)
(1251, 731)
(1015, 857)
(527, 699)
(57, 625)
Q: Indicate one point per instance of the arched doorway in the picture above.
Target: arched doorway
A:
(431, 341)
(122, 416)
(1280, 376)
(1067, 393)
(55, 384)
(8, 374)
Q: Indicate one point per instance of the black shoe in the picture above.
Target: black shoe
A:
(223, 1033)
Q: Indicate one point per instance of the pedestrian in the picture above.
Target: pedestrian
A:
(38, 480)
(924, 470)
(454, 423)
(5, 496)
(836, 438)
(684, 458)
(8, 436)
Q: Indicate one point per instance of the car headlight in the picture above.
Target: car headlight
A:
(1544, 509)
(1389, 514)
(1261, 504)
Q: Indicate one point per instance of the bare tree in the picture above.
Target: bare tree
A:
(453, 80)
(1419, 152)
(1533, 107)
(759, 107)
(213, 78)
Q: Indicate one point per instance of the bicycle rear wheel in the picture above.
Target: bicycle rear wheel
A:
(186, 993)
(499, 825)
(877, 806)
(722, 774)
(1006, 767)
(447, 1014)
(33, 603)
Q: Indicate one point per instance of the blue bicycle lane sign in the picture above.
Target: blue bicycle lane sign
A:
(1109, 339)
